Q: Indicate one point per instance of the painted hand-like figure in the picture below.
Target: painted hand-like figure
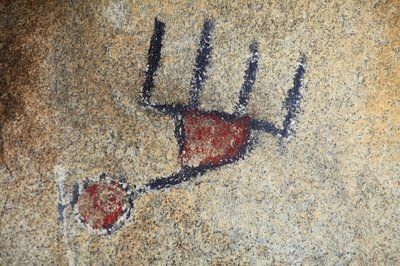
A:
(207, 139)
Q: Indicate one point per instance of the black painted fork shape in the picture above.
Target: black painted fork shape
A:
(203, 60)
(182, 112)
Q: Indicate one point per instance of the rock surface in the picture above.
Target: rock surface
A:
(70, 76)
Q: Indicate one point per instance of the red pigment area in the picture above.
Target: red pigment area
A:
(100, 204)
(209, 139)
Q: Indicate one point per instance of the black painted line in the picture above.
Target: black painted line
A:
(249, 79)
(203, 59)
(263, 125)
(184, 175)
(175, 109)
(61, 208)
(292, 101)
(75, 194)
(170, 109)
(180, 132)
(153, 61)
(187, 173)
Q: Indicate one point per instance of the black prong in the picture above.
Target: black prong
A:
(292, 101)
(249, 79)
(153, 61)
(203, 59)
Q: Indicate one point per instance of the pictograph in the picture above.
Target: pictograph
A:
(207, 139)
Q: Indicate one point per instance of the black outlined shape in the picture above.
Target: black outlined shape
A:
(180, 111)
(124, 191)
(203, 59)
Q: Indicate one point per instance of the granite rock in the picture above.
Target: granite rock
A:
(71, 73)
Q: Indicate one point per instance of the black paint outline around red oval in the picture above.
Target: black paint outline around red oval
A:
(126, 212)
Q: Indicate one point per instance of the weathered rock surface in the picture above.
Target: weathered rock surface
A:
(70, 77)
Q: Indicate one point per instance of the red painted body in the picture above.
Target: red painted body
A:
(210, 138)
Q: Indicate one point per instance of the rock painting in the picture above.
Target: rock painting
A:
(207, 139)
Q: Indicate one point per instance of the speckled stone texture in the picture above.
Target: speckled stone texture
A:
(70, 77)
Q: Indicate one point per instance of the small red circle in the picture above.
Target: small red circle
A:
(102, 203)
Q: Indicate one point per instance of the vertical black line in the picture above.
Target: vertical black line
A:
(249, 79)
(203, 59)
(75, 194)
(153, 60)
(179, 132)
(292, 101)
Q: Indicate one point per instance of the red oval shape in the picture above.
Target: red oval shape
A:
(102, 203)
